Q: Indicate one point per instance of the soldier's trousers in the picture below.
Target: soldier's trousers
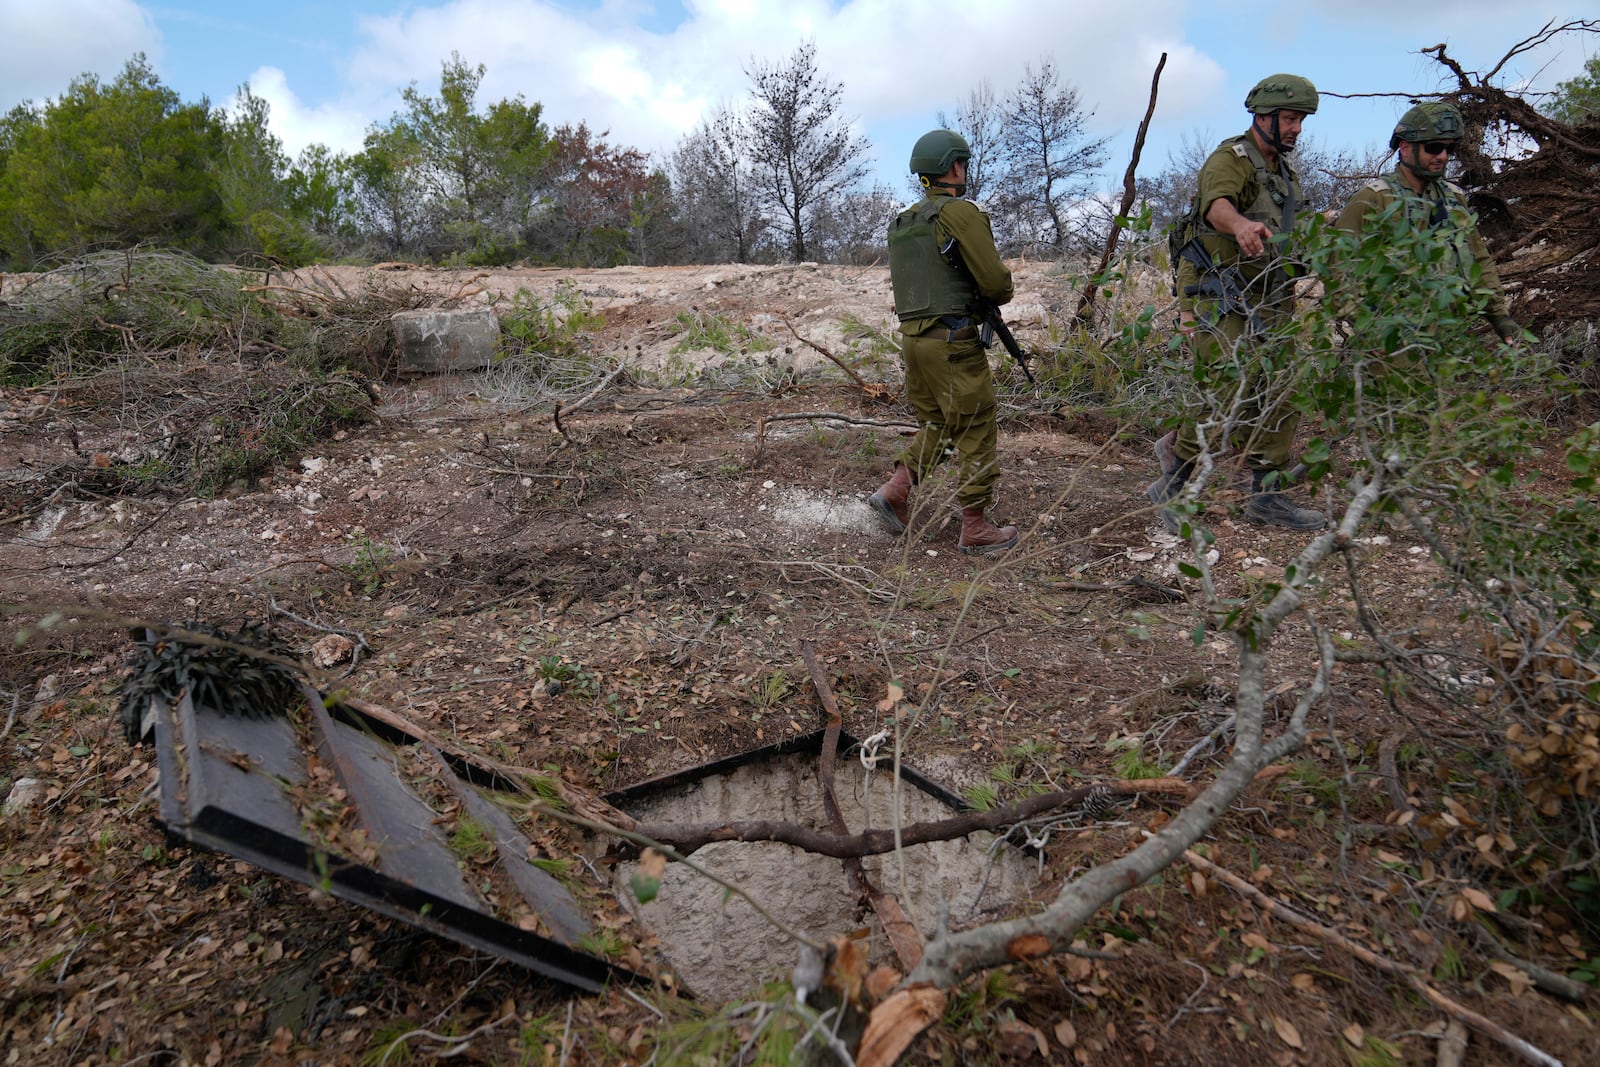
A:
(951, 388)
(1264, 423)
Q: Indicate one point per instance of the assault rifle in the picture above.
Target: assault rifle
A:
(995, 326)
(989, 312)
(1225, 285)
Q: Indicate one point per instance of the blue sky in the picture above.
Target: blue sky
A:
(647, 72)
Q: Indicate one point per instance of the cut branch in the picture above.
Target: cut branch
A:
(818, 348)
(1276, 908)
(687, 837)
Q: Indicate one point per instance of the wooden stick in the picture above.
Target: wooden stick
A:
(813, 345)
(1090, 288)
(1277, 908)
(899, 928)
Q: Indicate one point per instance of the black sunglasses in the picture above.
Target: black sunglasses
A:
(1433, 148)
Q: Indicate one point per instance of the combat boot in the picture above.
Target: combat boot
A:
(981, 537)
(1165, 489)
(1164, 453)
(892, 501)
(1271, 507)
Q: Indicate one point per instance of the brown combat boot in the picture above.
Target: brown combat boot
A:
(981, 537)
(892, 501)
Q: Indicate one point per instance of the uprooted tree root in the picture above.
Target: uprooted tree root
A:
(1539, 210)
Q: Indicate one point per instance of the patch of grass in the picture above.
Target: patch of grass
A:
(769, 1031)
(1374, 1052)
(768, 692)
(557, 328)
(602, 942)
(718, 333)
(867, 342)
(982, 796)
(540, 1038)
(1313, 779)
(1130, 761)
(371, 567)
(472, 841)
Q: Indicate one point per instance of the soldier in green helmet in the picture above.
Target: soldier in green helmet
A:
(942, 265)
(1235, 293)
(1426, 137)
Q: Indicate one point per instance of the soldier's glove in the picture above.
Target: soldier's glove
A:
(1506, 327)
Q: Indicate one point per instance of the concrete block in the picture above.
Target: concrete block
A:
(443, 342)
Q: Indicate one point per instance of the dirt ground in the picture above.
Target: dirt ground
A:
(666, 550)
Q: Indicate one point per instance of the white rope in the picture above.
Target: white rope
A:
(870, 756)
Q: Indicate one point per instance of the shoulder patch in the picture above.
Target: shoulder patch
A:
(1240, 150)
(1377, 185)
(1453, 188)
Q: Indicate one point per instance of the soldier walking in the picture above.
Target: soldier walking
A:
(1236, 293)
(942, 264)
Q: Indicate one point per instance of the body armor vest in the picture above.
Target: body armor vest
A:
(927, 285)
(1440, 212)
(1278, 196)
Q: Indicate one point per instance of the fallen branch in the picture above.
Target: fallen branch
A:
(792, 416)
(1127, 583)
(818, 348)
(1543, 977)
(687, 837)
(902, 932)
(1278, 909)
(555, 415)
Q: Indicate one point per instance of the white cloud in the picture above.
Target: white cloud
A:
(299, 126)
(45, 45)
(895, 61)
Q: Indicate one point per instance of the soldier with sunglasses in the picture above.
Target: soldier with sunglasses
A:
(1426, 137)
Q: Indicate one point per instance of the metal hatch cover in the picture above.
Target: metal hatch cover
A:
(229, 783)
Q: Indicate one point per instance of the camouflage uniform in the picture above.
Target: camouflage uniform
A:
(948, 380)
(1237, 171)
(1442, 208)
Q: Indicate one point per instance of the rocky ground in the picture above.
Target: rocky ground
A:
(665, 549)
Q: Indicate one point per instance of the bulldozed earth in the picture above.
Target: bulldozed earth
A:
(626, 588)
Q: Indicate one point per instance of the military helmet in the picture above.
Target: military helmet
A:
(1435, 120)
(1277, 92)
(937, 150)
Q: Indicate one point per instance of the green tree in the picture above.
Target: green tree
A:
(1577, 98)
(249, 173)
(16, 239)
(320, 191)
(387, 179)
(115, 165)
(478, 171)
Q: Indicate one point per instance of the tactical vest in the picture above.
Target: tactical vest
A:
(1445, 213)
(1278, 196)
(926, 284)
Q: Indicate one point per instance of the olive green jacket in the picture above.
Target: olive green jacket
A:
(1237, 171)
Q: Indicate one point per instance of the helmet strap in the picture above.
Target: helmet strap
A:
(1425, 176)
(1274, 138)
